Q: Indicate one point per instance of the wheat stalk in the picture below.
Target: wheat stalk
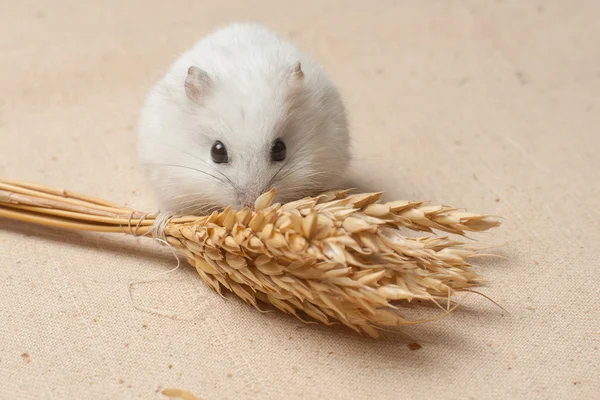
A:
(337, 257)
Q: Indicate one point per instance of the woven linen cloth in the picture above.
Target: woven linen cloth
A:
(489, 105)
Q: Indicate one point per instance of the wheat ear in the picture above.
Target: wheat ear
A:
(337, 257)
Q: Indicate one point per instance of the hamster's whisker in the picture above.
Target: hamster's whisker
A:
(273, 180)
(291, 168)
(173, 181)
(193, 156)
(186, 167)
(279, 170)
(199, 211)
(197, 202)
(309, 185)
(198, 196)
(182, 205)
(305, 185)
(176, 181)
(305, 181)
(300, 147)
(290, 171)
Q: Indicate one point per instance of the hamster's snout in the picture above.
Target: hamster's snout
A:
(246, 198)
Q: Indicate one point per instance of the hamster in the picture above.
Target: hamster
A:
(241, 112)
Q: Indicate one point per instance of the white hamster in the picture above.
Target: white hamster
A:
(241, 112)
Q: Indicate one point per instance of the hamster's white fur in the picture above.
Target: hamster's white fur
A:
(247, 87)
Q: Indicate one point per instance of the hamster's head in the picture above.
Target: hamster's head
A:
(236, 137)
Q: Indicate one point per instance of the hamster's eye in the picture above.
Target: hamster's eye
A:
(218, 152)
(278, 150)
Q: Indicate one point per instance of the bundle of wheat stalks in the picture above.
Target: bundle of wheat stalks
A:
(337, 257)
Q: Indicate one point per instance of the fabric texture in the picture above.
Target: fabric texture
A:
(489, 105)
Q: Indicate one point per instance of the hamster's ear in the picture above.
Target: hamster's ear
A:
(296, 75)
(197, 84)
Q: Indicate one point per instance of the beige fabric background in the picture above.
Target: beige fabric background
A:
(490, 105)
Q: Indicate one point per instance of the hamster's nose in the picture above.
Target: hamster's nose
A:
(249, 204)
(246, 199)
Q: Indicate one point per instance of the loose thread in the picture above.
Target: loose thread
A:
(153, 279)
